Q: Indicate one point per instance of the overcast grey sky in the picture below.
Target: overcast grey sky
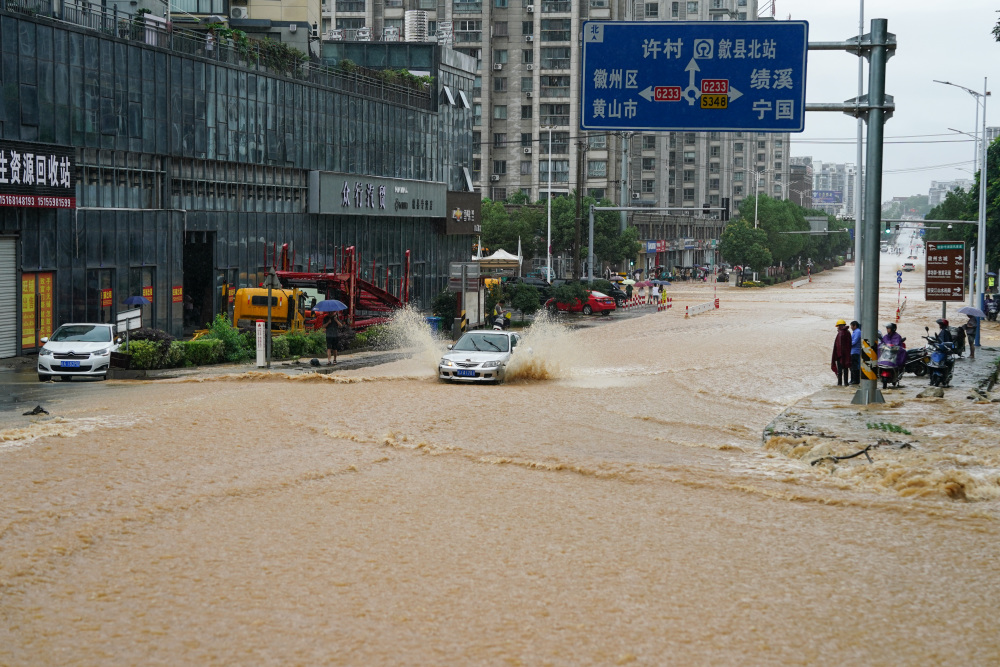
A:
(937, 39)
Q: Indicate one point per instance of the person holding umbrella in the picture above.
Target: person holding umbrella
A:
(335, 326)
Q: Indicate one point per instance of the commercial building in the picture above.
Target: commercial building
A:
(938, 189)
(136, 161)
(526, 104)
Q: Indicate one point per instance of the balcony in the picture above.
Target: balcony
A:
(557, 7)
(468, 7)
(350, 6)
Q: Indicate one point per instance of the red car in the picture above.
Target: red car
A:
(597, 302)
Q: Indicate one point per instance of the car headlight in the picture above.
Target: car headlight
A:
(491, 364)
(102, 352)
(447, 362)
(45, 352)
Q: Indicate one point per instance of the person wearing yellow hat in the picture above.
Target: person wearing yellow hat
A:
(841, 362)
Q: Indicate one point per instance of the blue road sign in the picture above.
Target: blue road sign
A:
(922, 232)
(687, 75)
(899, 273)
(899, 280)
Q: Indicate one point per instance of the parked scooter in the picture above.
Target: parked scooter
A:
(916, 361)
(889, 370)
(992, 308)
(942, 360)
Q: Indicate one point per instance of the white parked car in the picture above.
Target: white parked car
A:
(478, 356)
(78, 350)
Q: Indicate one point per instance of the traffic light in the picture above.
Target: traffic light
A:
(897, 227)
(725, 209)
(887, 228)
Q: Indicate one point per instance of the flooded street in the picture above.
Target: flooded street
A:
(611, 504)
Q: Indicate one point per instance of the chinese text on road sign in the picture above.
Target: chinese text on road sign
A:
(944, 277)
(680, 75)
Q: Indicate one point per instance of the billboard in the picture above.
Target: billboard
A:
(828, 197)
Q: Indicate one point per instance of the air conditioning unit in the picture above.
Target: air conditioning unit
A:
(527, 94)
(292, 27)
(530, 8)
(494, 178)
(238, 13)
(529, 67)
(527, 151)
(529, 38)
(635, 195)
(498, 66)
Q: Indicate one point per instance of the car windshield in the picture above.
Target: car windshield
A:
(84, 333)
(482, 342)
(600, 294)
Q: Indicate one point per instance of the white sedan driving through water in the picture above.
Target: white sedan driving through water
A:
(478, 356)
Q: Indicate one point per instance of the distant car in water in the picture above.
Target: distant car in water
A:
(908, 266)
(478, 356)
(81, 350)
(597, 302)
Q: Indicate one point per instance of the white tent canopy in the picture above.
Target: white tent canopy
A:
(501, 259)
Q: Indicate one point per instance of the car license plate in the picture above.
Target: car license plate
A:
(70, 364)
(462, 373)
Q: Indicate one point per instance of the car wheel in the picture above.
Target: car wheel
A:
(44, 378)
(920, 371)
(605, 312)
(587, 310)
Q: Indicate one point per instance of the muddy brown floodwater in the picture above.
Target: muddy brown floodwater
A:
(611, 505)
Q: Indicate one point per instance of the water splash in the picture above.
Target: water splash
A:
(546, 352)
(408, 329)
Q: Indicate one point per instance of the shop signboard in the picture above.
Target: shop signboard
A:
(332, 193)
(37, 175)
(944, 277)
(177, 294)
(464, 213)
(147, 291)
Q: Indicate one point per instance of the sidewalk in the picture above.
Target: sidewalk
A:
(826, 428)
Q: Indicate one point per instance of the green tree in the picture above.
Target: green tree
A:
(777, 218)
(742, 244)
(525, 299)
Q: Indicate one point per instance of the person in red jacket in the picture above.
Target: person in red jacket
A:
(841, 362)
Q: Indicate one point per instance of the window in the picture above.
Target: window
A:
(477, 114)
(527, 56)
(688, 157)
(672, 178)
(500, 4)
(715, 136)
(647, 186)
(560, 171)
(689, 138)
(777, 155)
(760, 157)
(777, 165)
(527, 27)
(737, 191)
(713, 200)
(596, 193)
(648, 163)
(761, 144)
(477, 87)
(499, 166)
(554, 114)
(499, 112)
(477, 165)
(500, 56)
(525, 111)
(527, 84)
(688, 194)
(688, 175)
(467, 6)
(777, 177)
(777, 143)
(598, 141)
(499, 139)
(597, 168)
(675, 10)
(500, 84)
(526, 140)
(714, 151)
(648, 142)
(560, 142)
(738, 177)
(350, 24)
(555, 57)
(500, 27)
(554, 85)
(742, 16)
(777, 191)
(477, 140)
(468, 32)
(652, 10)
(556, 30)
(713, 184)
(692, 8)
(713, 167)
(527, 193)
(498, 194)
(671, 196)
(526, 167)
(738, 146)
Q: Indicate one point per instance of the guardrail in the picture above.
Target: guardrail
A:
(700, 308)
(800, 283)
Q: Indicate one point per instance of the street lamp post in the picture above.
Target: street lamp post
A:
(548, 202)
(981, 245)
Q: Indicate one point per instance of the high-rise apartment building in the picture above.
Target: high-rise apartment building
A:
(526, 102)
(828, 178)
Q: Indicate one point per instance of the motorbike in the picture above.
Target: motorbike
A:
(916, 361)
(992, 308)
(942, 360)
(889, 370)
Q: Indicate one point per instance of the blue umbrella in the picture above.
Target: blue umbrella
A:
(137, 301)
(660, 282)
(971, 311)
(329, 306)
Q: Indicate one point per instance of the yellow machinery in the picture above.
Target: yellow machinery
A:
(287, 309)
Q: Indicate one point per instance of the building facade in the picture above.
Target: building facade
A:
(131, 166)
(936, 193)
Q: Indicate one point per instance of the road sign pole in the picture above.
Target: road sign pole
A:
(869, 392)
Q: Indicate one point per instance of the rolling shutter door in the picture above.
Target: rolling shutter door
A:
(8, 297)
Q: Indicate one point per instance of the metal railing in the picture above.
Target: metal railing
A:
(254, 56)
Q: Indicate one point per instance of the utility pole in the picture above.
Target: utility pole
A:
(580, 152)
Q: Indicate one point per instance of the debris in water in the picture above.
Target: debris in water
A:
(39, 410)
